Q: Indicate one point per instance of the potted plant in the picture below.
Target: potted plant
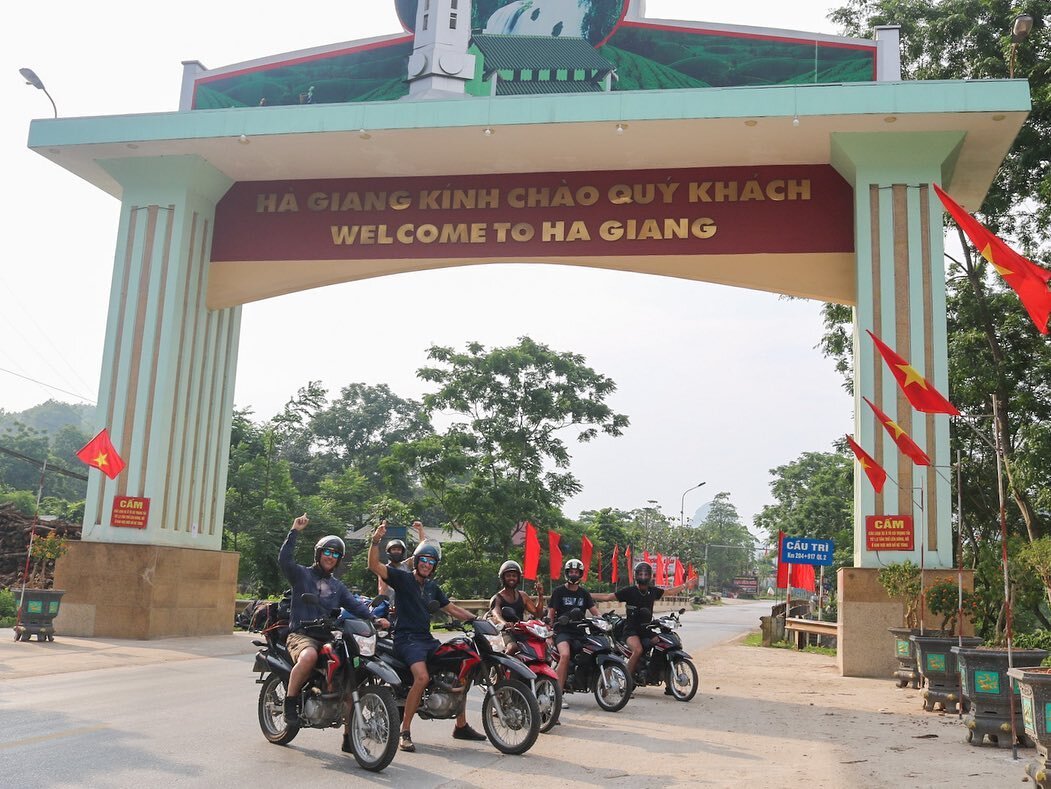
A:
(901, 581)
(37, 602)
(1034, 686)
(935, 654)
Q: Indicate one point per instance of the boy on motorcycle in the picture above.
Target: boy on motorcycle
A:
(413, 642)
(396, 553)
(331, 594)
(563, 600)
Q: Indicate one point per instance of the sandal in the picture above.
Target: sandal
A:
(405, 743)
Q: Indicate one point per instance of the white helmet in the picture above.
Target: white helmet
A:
(333, 543)
(510, 565)
(573, 564)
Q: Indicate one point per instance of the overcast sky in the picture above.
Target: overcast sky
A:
(721, 384)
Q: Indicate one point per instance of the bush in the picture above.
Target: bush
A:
(1038, 639)
(8, 607)
(902, 582)
(943, 599)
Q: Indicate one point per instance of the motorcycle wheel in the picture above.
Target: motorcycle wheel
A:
(681, 679)
(520, 712)
(613, 687)
(548, 701)
(374, 738)
(272, 712)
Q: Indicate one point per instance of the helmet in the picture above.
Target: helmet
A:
(331, 542)
(397, 544)
(510, 565)
(645, 569)
(427, 549)
(573, 564)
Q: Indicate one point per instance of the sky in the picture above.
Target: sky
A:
(721, 384)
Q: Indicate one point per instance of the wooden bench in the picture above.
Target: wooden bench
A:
(801, 629)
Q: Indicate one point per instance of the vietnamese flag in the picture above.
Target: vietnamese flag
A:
(877, 476)
(532, 552)
(628, 564)
(100, 453)
(917, 389)
(1026, 278)
(662, 574)
(908, 447)
(555, 558)
(613, 571)
(585, 555)
(678, 573)
(782, 569)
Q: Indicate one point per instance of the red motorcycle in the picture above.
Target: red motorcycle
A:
(530, 639)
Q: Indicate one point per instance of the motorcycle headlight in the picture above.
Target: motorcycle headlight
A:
(601, 624)
(540, 631)
(496, 642)
(366, 645)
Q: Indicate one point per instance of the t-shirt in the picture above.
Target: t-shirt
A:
(499, 601)
(563, 600)
(330, 591)
(639, 603)
(413, 616)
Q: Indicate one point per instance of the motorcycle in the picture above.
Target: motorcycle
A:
(530, 638)
(595, 664)
(663, 659)
(348, 676)
(510, 715)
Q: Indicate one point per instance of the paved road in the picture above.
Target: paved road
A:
(193, 723)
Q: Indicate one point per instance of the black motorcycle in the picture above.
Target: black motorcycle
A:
(348, 676)
(596, 667)
(510, 715)
(663, 660)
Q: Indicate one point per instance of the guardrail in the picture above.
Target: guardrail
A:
(801, 629)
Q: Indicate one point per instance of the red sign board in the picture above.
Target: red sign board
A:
(711, 211)
(889, 533)
(131, 512)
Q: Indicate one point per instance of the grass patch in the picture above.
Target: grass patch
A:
(756, 640)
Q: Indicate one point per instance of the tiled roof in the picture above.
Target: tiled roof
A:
(538, 52)
(536, 87)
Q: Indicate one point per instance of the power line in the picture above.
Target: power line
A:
(40, 464)
(49, 386)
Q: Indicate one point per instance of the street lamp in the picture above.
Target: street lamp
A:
(32, 79)
(1023, 24)
(682, 508)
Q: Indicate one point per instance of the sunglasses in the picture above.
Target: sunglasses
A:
(330, 552)
(426, 560)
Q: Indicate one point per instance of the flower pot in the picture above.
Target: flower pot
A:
(905, 652)
(986, 687)
(937, 665)
(1034, 686)
(36, 613)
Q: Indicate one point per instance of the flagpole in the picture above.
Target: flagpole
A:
(959, 570)
(1003, 554)
(923, 554)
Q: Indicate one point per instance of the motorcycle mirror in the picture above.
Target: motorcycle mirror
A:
(508, 613)
(562, 620)
(433, 606)
(576, 615)
(682, 610)
(380, 598)
(308, 598)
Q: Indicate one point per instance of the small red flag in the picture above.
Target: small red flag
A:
(646, 556)
(555, 558)
(586, 549)
(690, 572)
(100, 453)
(917, 389)
(1026, 278)
(662, 573)
(678, 574)
(532, 552)
(908, 447)
(613, 572)
(877, 476)
(782, 569)
(803, 577)
(629, 565)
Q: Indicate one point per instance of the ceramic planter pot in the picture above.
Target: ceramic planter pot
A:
(986, 687)
(1034, 686)
(937, 665)
(36, 614)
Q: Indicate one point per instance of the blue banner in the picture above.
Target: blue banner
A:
(802, 550)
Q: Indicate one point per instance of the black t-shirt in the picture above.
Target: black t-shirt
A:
(563, 601)
(499, 601)
(413, 616)
(639, 603)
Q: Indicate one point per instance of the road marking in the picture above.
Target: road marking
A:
(58, 735)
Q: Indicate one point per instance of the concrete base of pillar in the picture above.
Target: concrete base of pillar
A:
(117, 590)
(864, 647)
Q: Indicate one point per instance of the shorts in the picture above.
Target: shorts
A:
(570, 638)
(415, 648)
(297, 642)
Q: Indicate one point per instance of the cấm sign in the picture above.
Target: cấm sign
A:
(889, 533)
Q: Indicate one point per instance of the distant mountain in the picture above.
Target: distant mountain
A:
(50, 417)
(700, 514)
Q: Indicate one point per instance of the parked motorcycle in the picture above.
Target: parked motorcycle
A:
(596, 666)
(663, 659)
(510, 715)
(530, 638)
(348, 675)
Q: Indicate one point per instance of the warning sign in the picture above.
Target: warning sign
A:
(889, 533)
(130, 511)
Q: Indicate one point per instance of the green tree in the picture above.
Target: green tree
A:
(723, 527)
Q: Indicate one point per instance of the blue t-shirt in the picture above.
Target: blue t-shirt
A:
(331, 592)
(413, 616)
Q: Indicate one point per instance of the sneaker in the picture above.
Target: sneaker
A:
(465, 732)
(346, 747)
(291, 710)
(405, 742)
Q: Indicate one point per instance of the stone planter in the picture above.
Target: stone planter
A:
(905, 652)
(986, 687)
(1034, 685)
(36, 615)
(937, 665)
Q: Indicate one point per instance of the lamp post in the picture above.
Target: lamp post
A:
(1023, 24)
(682, 508)
(32, 79)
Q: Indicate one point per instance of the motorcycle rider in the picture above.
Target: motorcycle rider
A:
(413, 642)
(639, 600)
(511, 596)
(331, 593)
(396, 553)
(563, 600)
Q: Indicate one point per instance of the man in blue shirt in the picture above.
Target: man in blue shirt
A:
(413, 642)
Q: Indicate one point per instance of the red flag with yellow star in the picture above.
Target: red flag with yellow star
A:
(923, 396)
(908, 447)
(100, 453)
(877, 476)
(1026, 278)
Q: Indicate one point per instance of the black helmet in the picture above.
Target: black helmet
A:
(397, 544)
(333, 543)
(644, 569)
(510, 566)
(427, 549)
(573, 564)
